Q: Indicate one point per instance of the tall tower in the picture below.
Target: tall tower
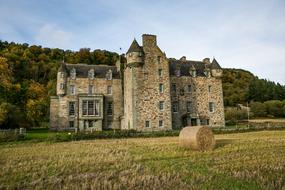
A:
(147, 87)
(61, 80)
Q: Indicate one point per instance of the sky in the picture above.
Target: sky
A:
(245, 34)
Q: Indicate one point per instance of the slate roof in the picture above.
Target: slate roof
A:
(135, 47)
(100, 71)
(186, 66)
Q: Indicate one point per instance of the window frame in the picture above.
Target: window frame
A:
(161, 105)
(211, 107)
(72, 89)
(147, 122)
(109, 108)
(69, 108)
(109, 90)
(162, 122)
(161, 88)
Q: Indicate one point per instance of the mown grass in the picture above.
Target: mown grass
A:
(253, 160)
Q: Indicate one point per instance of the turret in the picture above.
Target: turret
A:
(216, 69)
(61, 80)
(135, 54)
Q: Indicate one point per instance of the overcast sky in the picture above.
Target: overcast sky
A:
(247, 34)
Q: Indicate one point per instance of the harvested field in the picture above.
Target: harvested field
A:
(240, 161)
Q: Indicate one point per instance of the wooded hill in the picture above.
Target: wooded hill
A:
(28, 79)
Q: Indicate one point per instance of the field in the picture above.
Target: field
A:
(253, 160)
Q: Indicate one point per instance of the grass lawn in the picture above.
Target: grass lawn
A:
(253, 160)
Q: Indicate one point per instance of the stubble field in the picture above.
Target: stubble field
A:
(240, 161)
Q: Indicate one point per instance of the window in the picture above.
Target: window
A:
(71, 108)
(147, 124)
(110, 108)
(90, 89)
(189, 88)
(71, 124)
(72, 89)
(90, 107)
(109, 89)
(61, 86)
(211, 107)
(161, 88)
(160, 72)
(145, 76)
(109, 75)
(208, 73)
(161, 105)
(61, 75)
(90, 123)
(177, 72)
(193, 73)
(160, 123)
(158, 59)
(204, 121)
(173, 87)
(189, 106)
(73, 73)
(175, 107)
(91, 74)
(210, 88)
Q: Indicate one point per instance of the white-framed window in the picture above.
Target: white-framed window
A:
(173, 87)
(91, 74)
(73, 73)
(209, 88)
(72, 89)
(147, 124)
(189, 106)
(193, 73)
(208, 73)
(109, 89)
(71, 107)
(109, 75)
(61, 86)
(90, 107)
(161, 88)
(71, 124)
(61, 75)
(177, 72)
(160, 123)
(160, 72)
(110, 108)
(90, 89)
(161, 105)
(189, 88)
(211, 107)
(175, 107)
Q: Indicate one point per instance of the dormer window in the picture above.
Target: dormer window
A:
(193, 73)
(73, 73)
(207, 73)
(109, 75)
(61, 75)
(177, 72)
(91, 74)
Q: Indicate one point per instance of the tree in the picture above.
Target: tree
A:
(258, 109)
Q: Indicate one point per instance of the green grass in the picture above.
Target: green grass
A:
(253, 160)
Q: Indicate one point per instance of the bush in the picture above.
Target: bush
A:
(234, 115)
(10, 135)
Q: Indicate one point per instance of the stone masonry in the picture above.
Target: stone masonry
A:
(158, 93)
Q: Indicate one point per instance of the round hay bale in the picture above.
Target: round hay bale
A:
(197, 138)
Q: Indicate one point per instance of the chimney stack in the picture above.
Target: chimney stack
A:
(206, 60)
(149, 40)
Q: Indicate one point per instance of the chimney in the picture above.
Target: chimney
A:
(149, 40)
(183, 58)
(206, 60)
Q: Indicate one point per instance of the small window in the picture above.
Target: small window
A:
(189, 88)
(145, 76)
(90, 89)
(161, 105)
(110, 108)
(160, 123)
(208, 73)
(71, 124)
(161, 88)
(73, 73)
(109, 90)
(175, 107)
(160, 72)
(147, 124)
(193, 73)
(61, 75)
(109, 75)
(177, 72)
(211, 107)
(173, 87)
(210, 88)
(189, 106)
(91, 74)
(71, 108)
(72, 89)
(158, 59)
(61, 86)
(90, 123)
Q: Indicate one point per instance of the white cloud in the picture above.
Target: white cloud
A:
(52, 36)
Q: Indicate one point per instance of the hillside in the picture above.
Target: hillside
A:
(28, 78)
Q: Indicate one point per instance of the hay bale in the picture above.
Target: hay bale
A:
(197, 138)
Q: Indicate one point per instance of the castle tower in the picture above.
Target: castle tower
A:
(61, 80)
(146, 86)
(216, 69)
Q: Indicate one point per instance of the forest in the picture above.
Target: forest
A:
(28, 79)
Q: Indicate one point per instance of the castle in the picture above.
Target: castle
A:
(152, 92)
